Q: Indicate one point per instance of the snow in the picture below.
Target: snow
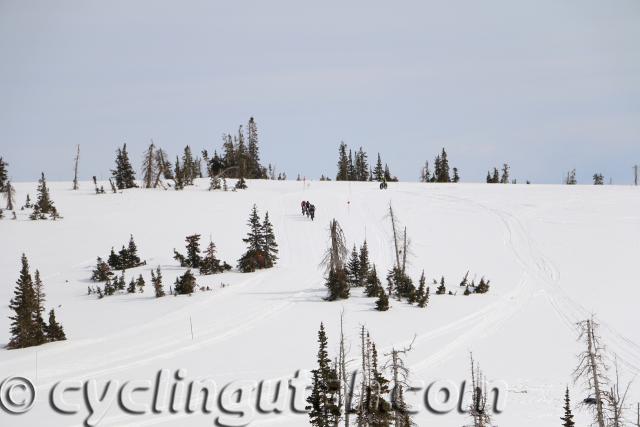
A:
(554, 255)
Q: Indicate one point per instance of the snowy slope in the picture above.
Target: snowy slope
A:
(554, 254)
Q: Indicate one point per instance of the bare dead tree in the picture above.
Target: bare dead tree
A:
(75, 168)
(478, 406)
(336, 254)
(10, 195)
(400, 374)
(394, 228)
(592, 369)
(638, 415)
(344, 398)
(616, 399)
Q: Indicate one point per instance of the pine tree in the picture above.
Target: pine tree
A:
(193, 251)
(421, 297)
(337, 284)
(363, 272)
(378, 172)
(178, 178)
(131, 289)
(456, 175)
(351, 168)
(256, 170)
(140, 284)
(598, 179)
(101, 272)
(156, 280)
(188, 167)
(442, 172)
(124, 174)
(241, 184)
(483, 287)
(185, 284)
(210, 264)
(323, 406)
(567, 420)
(382, 304)
(269, 240)
(254, 258)
(372, 285)
(24, 326)
(401, 284)
(379, 407)
(4, 175)
(119, 283)
(39, 296)
(353, 268)
(54, 330)
(148, 167)
(44, 205)
(441, 288)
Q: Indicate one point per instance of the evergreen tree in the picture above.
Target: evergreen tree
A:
(241, 184)
(324, 410)
(156, 280)
(495, 179)
(442, 172)
(401, 284)
(140, 284)
(4, 175)
(421, 297)
(378, 172)
(24, 326)
(185, 284)
(598, 179)
(351, 168)
(149, 167)
(123, 174)
(216, 165)
(456, 176)
(361, 166)
(189, 169)
(441, 288)
(210, 264)
(425, 174)
(373, 285)
(571, 178)
(39, 295)
(337, 284)
(343, 163)
(178, 176)
(483, 287)
(101, 272)
(380, 408)
(382, 304)
(269, 240)
(131, 289)
(567, 420)
(353, 268)
(54, 330)
(254, 258)
(505, 174)
(44, 205)
(256, 170)
(119, 283)
(363, 272)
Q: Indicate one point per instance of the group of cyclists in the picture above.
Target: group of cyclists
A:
(308, 209)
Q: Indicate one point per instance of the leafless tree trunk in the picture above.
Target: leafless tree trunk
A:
(400, 375)
(592, 368)
(346, 401)
(148, 166)
(75, 169)
(10, 195)
(478, 408)
(616, 402)
(395, 235)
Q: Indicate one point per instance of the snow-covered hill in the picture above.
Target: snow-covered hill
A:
(554, 254)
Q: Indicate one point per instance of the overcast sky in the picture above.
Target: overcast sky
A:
(545, 85)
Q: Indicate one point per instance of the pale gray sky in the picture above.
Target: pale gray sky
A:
(546, 85)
